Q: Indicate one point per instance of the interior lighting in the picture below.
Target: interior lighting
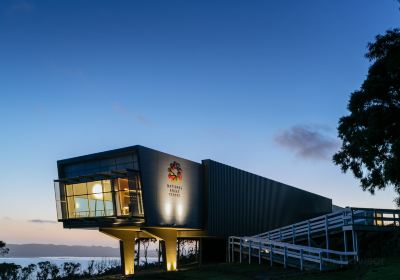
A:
(97, 191)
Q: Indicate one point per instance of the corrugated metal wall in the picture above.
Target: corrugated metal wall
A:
(241, 203)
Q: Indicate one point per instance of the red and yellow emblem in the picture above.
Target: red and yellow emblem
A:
(175, 172)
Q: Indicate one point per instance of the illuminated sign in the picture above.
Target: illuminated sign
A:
(175, 172)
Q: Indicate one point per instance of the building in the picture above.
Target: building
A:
(137, 192)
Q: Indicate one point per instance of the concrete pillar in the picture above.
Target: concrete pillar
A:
(127, 248)
(169, 236)
(128, 256)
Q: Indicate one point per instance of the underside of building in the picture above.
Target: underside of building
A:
(137, 192)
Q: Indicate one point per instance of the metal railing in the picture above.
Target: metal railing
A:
(333, 221)
(280, 244)
(285, 253)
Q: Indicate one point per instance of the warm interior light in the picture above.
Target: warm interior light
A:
(168, 266)
(97, 191)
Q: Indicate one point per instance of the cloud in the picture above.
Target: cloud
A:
(20, 7)
(122, 110)
(308, 142)
(39, 221)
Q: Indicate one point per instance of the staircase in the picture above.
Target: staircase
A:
(295, 245)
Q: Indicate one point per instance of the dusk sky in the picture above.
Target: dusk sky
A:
(259, 85)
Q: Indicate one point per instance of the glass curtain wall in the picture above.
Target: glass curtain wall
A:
(100, 198)
(89, 199)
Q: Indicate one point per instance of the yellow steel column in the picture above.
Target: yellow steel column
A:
(170, 237)
(128, 247)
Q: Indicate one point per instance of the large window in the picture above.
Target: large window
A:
(89, 199)
(116, 197)
(129, 196)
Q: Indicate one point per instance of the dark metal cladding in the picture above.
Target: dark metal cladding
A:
(241, 203)
(183, 199)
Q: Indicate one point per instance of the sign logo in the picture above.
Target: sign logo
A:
(175, 172)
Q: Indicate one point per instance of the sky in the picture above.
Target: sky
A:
(259, 85)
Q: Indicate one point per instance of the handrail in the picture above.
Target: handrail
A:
(277, 240)
(348, 216)
(287, 250)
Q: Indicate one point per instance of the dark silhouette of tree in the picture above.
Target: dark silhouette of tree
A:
(27, 271)
(3, 249)
(371, 133)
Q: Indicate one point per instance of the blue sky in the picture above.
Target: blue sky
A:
(249, 83)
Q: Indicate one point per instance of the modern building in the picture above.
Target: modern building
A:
(137, 192)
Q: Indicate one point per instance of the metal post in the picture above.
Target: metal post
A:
(326, 232)
(320, 261)
(271, 253)
(345, 242)
(309, 234)
(229, 249)
(233, 249)
(301, 259)
(259, 252)
(249, 252)
(352, 216)
(293, 234)
(280, 235)
(356, 240)
(284, 257)
(240, 256)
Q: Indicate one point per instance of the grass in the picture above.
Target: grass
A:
(382, 268)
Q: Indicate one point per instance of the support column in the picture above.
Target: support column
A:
(169, 236)
(128, 256)
(127, 248)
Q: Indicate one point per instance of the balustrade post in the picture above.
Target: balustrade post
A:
(271, 254)
(285, 258)
(240, 255)
(249, 251)
(301, 259)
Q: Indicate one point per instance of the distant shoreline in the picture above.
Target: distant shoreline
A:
(51, 250)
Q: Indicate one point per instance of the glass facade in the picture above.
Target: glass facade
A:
(89, 199)
(100, 198)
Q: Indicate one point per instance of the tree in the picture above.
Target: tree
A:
(371, 133)
(3, 249)
(9, 271)
(44, 270)
(71, 269)
(27, 271)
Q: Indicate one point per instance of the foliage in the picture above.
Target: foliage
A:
(3, 249)
(27, 271)
(371, 133)
(71, 269)
(90, 269)
(47, 270)
(44, 270)
(9, 271)
(188, 250)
